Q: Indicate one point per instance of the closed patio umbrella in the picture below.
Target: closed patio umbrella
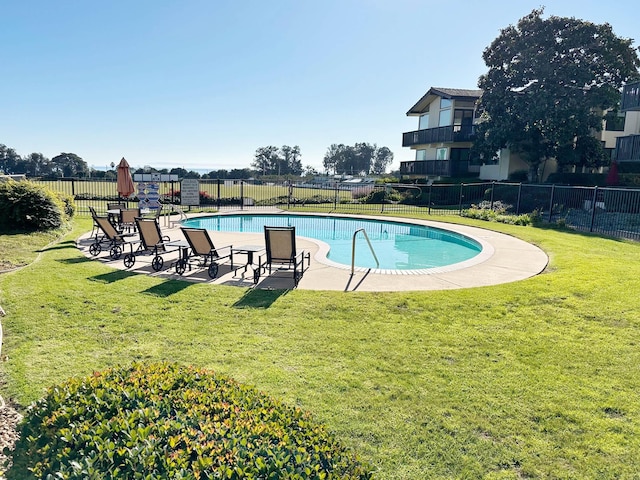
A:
(613, 177)
(125, 182)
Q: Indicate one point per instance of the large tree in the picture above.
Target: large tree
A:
(10, 161)
(272, 160)
(69, 165)
(548, 84)
(362, 158)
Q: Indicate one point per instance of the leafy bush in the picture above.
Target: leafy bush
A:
(498, 213)
(167, 421)
(585, 179)
(286, 200)
(27, 206)
(519, 176)
(383, 196)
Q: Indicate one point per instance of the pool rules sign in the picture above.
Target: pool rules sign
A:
(190, 192)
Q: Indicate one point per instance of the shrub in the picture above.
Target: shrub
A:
(383, 196)
(27, 206)
(483, 211)
(167, 421)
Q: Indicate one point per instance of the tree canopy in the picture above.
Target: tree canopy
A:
(548, 86)
(272, 160)
(362, 158)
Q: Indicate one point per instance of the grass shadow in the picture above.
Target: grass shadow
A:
(259, 298)
(167, 288)
(112, 276)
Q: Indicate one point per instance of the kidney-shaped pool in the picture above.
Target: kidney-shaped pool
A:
(397, 245)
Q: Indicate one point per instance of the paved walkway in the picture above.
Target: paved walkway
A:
(504, 259)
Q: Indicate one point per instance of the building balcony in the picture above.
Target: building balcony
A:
(628, 149)
(630, 97)
(448, 134)
(424, 168)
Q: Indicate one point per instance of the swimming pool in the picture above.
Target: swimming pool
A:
(398, 246)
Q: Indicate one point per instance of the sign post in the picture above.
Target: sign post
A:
(190, 192)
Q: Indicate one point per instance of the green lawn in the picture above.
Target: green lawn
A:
(535, 379)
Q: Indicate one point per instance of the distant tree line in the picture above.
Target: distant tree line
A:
(285, 161)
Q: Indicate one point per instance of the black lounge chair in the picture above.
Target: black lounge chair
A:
(152, 242)
(281, 250)
(202, 247)
(111, 237)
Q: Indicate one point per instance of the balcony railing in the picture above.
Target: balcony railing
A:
(448, 134)
(426, 167)
(628, 148)
(630, 97)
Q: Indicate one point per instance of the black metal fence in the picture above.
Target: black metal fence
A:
(609, 211)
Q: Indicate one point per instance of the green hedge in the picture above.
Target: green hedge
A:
(27, 207)
(168, 421)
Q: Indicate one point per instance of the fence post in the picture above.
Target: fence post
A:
(73, 188)
(553, 191)
(241, 194)
(218, 200)
(593, 208)
(493, 189)
(429, 199)
(335, 197)
(461, 196)
(518, 202)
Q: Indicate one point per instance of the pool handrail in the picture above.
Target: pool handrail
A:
(353, 249)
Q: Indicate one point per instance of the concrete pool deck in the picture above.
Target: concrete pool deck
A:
(504, 259)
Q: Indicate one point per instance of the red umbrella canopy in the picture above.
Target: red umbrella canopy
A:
(125, 182)
(613, 177)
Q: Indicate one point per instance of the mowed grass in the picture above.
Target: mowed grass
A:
(534, 379)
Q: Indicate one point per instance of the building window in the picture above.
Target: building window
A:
(613, 122)
(463, 117)
(441, 154)
(424, 121)
(421, 154)
(444, 119)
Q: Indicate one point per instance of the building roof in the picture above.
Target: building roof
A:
(450, 93)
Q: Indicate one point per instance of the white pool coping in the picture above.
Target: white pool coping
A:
(503, 259)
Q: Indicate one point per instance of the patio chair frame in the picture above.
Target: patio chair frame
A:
(152, 242)
(283, 256)
(202, 246)
(111, 237)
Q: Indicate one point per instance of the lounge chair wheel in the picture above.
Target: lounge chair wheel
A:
(297, 276)
(157, 263)
(94, 249)
(256, 275)
(115, 252)
(213, 270)
(181, 266)
(129, 260)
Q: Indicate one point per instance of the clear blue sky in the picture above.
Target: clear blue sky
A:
(201, 84)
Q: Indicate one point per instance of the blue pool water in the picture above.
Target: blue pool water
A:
(398, 246)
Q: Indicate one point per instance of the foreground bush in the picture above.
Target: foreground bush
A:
(167, 421)
(28, 207)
